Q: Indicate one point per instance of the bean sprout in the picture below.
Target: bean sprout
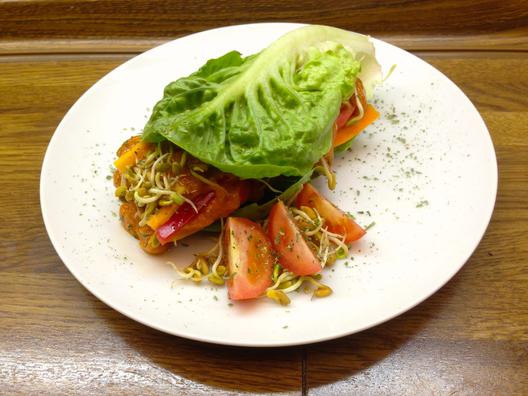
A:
(144, 200)
(360, 108)
(154, 165)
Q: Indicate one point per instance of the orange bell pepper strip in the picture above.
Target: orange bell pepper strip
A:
(129, 157)
(162, 216)
(343, 135)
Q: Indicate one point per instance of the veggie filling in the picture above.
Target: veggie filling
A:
(167, 194)
(234, 145)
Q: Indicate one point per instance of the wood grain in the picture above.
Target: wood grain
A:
(68, 342)
(515, 41)
(471, 337)
(154, 18)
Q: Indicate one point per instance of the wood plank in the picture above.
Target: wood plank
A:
(386, 364)
(119, 19)
(470, 337)
(501, 41)
(58, 338)
(494, 83)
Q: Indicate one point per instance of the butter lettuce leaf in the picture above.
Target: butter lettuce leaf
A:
(270, 113)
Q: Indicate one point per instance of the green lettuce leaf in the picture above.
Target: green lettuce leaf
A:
(270, 113)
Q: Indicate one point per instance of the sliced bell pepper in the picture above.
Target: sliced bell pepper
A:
(346, 111)
(162, 216)
(183, 215)
(343, 135)
(129, 157)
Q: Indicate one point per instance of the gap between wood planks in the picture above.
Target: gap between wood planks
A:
(476, 43)
(124, 56)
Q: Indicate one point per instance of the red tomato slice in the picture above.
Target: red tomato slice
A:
(294, 253)
(249, 259)
(337, 221)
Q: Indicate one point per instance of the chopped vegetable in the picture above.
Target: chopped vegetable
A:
(349, 132)
(249, 259)
(224, 203)
(336, 220)
(146, 236)
(130, 157)
(293, 247)
(294, 253)
(344, 114)
(185, 213)
(162, 216)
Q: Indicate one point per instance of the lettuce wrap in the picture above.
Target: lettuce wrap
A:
(271, 113)
(242, 132)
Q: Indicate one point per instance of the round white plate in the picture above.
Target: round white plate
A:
(425, 173)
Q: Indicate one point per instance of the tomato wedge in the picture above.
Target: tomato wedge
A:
(337, 221)
(294, 253)
(249, 259)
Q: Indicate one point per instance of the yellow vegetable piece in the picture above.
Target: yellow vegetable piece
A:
(161, 216)
(129, 158)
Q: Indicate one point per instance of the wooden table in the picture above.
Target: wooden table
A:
(56, 338)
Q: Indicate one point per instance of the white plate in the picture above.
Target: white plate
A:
(436, 151)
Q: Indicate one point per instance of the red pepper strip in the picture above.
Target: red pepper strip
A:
(183, 215)
(344, 114)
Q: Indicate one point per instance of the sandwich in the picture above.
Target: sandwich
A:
(245, 132)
